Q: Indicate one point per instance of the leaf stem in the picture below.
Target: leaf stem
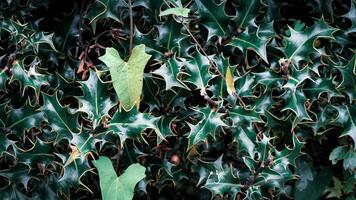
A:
(131, 27)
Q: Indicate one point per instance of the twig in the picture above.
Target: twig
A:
(131, 27)
(213, 64)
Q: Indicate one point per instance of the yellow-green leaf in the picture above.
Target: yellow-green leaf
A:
(127, 77)
(229, 82)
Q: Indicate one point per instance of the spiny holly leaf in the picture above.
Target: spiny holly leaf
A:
(11, 192)
(243, 131)
(348, 83)
(24, 118)
(288, 155)
(301, 43)
(244, 85)
(206, 168)
(131, 124)
(213, 17)
(71, 173)
(295, 101)
(60, 119)
(246, 41)
(95, 101)
(269, 79)
(40, 153)
(169, 72)
(18, 174)
(347, 154)
(122, 187)
(28, 78)
(246, 12)
(211, 120)
(182, 12)
(223, 182)
(127, 77)
(102, 9)
(324, 116)
(346, 118)
(4, 143)
(320, 86)
(198, 71)
(170, 35)
(351, 15)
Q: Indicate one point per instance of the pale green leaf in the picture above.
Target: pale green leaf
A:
(127, 77)
(183, 12)
(118, 188)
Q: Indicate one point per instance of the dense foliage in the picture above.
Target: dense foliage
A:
(249, 99)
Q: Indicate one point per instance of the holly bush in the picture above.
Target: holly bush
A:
(177, 99)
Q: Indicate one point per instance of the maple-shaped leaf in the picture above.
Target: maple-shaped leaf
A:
(198, 71)
(95, 101)
(213, 17)
(348, 83)
(131, 124)
(61, 120)
(211, 120)
(127, 77)
(300, 43)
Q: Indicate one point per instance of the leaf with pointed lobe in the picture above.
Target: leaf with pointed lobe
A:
(95, 102)
(127, 77)
(211, 120)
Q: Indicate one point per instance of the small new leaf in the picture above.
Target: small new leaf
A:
(182, 12)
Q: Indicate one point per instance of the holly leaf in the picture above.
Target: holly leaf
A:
(213, 17)
(348, 83)
(211, 120)
(198, 71)
(243, 131)
(131, 124)
(346, 118)
(122, 187)
(246, 41)
(60, 119)
(95, 102)
(28, 78)
(246, 12)
(24, 118)
(300, 43)
(170, 71)
(223, 182)
(127, 77)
